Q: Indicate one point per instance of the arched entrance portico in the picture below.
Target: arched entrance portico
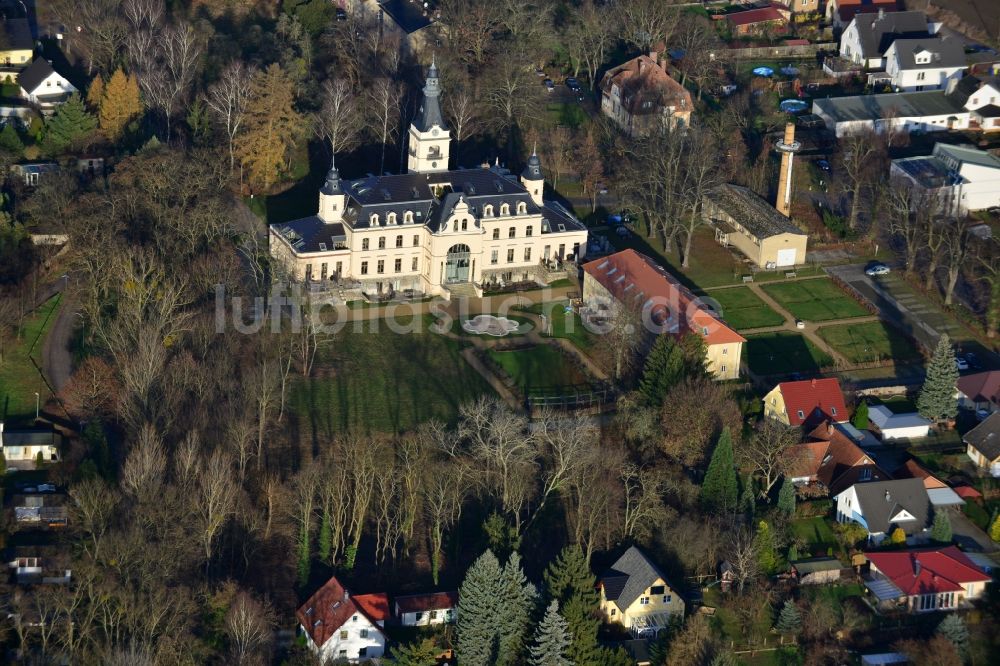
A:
(456, 267)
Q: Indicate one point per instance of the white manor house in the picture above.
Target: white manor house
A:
(431, 231)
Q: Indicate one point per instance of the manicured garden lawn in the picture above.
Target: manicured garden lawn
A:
(566, 325)
(19, 378)
(815, 531)
(380, 381)
(743, 309)
(814, 300)
(784, 352)
(539, 367)
(870, 341)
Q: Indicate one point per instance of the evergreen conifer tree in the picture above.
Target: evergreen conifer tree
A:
(517, 602)
(478, 612)
(953, 628)
(748, 500)
(551, 640)
(421, 653)
(936, 401)
(786, 497)
(995, 528)
(664, 367)
(793, 553)
(941, 528)
(95, 93)
(10, 140)
(897, 537)
(767, 555)
(569, 581)
(789, 619)
(860, 418)
(120, 104)
(70, 124)
(720, 487)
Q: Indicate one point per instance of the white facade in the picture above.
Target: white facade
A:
(356, 640)
(851, 50)
(53, 85)
(924, 74)
(427, 618)
(969, 179)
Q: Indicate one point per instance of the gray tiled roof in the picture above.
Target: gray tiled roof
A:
(17, 35)
(430, 109)
(306, 234)
(985, 437)
(629, 577)
(751, 211)
(878, 31)
(880, 501)
(36, 72)
(944, 53)
(901, 105)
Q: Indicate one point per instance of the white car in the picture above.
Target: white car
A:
(877, 269)
(961, 363)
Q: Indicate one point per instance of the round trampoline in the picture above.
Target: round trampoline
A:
(793, 106)
(763, 71)
(788, 70)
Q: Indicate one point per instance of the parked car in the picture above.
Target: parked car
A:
(341, 14)
(961, 363)
(824, 165)
(549, 85)
(573, 84)
(982, 414)
(602, 188)
(540, 73)
(877, 269)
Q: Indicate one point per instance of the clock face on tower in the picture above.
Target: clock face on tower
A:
(434, 132)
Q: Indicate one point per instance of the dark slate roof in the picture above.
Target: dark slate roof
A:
(407, 14)
(29, 437)
(985, 437)
(17, 35)
(37, 71)
(816, 564)
(430, 114)
(629, 577)
(964, 88)
(878, 31)
(881, 500)
(533, 169)
(751, 211)
(306, 234)
(944, 53)
(900, 105)
(988, 111)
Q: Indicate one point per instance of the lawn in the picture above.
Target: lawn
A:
(380, 381)
(815, 300)
(566, 325)
(538, 367)
(19, 378)
(870, 341)
(814, 531)
(743, 309)
(784, 352)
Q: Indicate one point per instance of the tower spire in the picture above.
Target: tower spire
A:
(430, 109)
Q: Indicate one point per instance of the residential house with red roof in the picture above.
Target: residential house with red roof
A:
(635, 282)
(640, 95)
(806, 403)
(980, 392)
(925, 579)
(772, 19)
(829, 462)
(421, 610)
(341, 625)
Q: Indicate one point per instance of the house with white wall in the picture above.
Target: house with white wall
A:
(344, 626)
(924, 64)
(868, 36)
(980, 96)
(906, 112)
(882, 506)
(422, 610)
(964, 177)
(42, 85)
(22, 446)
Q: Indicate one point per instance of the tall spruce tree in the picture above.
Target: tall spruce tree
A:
(480, 601)
(936, 401)
(664, 367)
(552, 640)
(941, 528)
(517, 603)
(953, 628)
(789, 619)
(569, 581)
(786, 497)
(720, 487)
(748, 500)
(860, 418)
(68, 127)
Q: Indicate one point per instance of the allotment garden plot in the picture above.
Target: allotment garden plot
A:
(814, 300)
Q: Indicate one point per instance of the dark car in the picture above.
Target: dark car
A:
(824, 165)
(573, 84)
(341, 14)
(549, 85)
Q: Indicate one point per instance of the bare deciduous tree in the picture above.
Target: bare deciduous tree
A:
(214, 499)
(765, 452)
(228, 99)
(250, 629)
(339, 121)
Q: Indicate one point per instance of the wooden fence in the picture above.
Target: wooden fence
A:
(795, 51)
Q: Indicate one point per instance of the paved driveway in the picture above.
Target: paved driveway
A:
(967, 535)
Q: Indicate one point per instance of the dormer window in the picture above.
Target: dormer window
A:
(505, 209)
(522, 208)
(488, 210)
(390, 218)
(373, 219)
(408, 217)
